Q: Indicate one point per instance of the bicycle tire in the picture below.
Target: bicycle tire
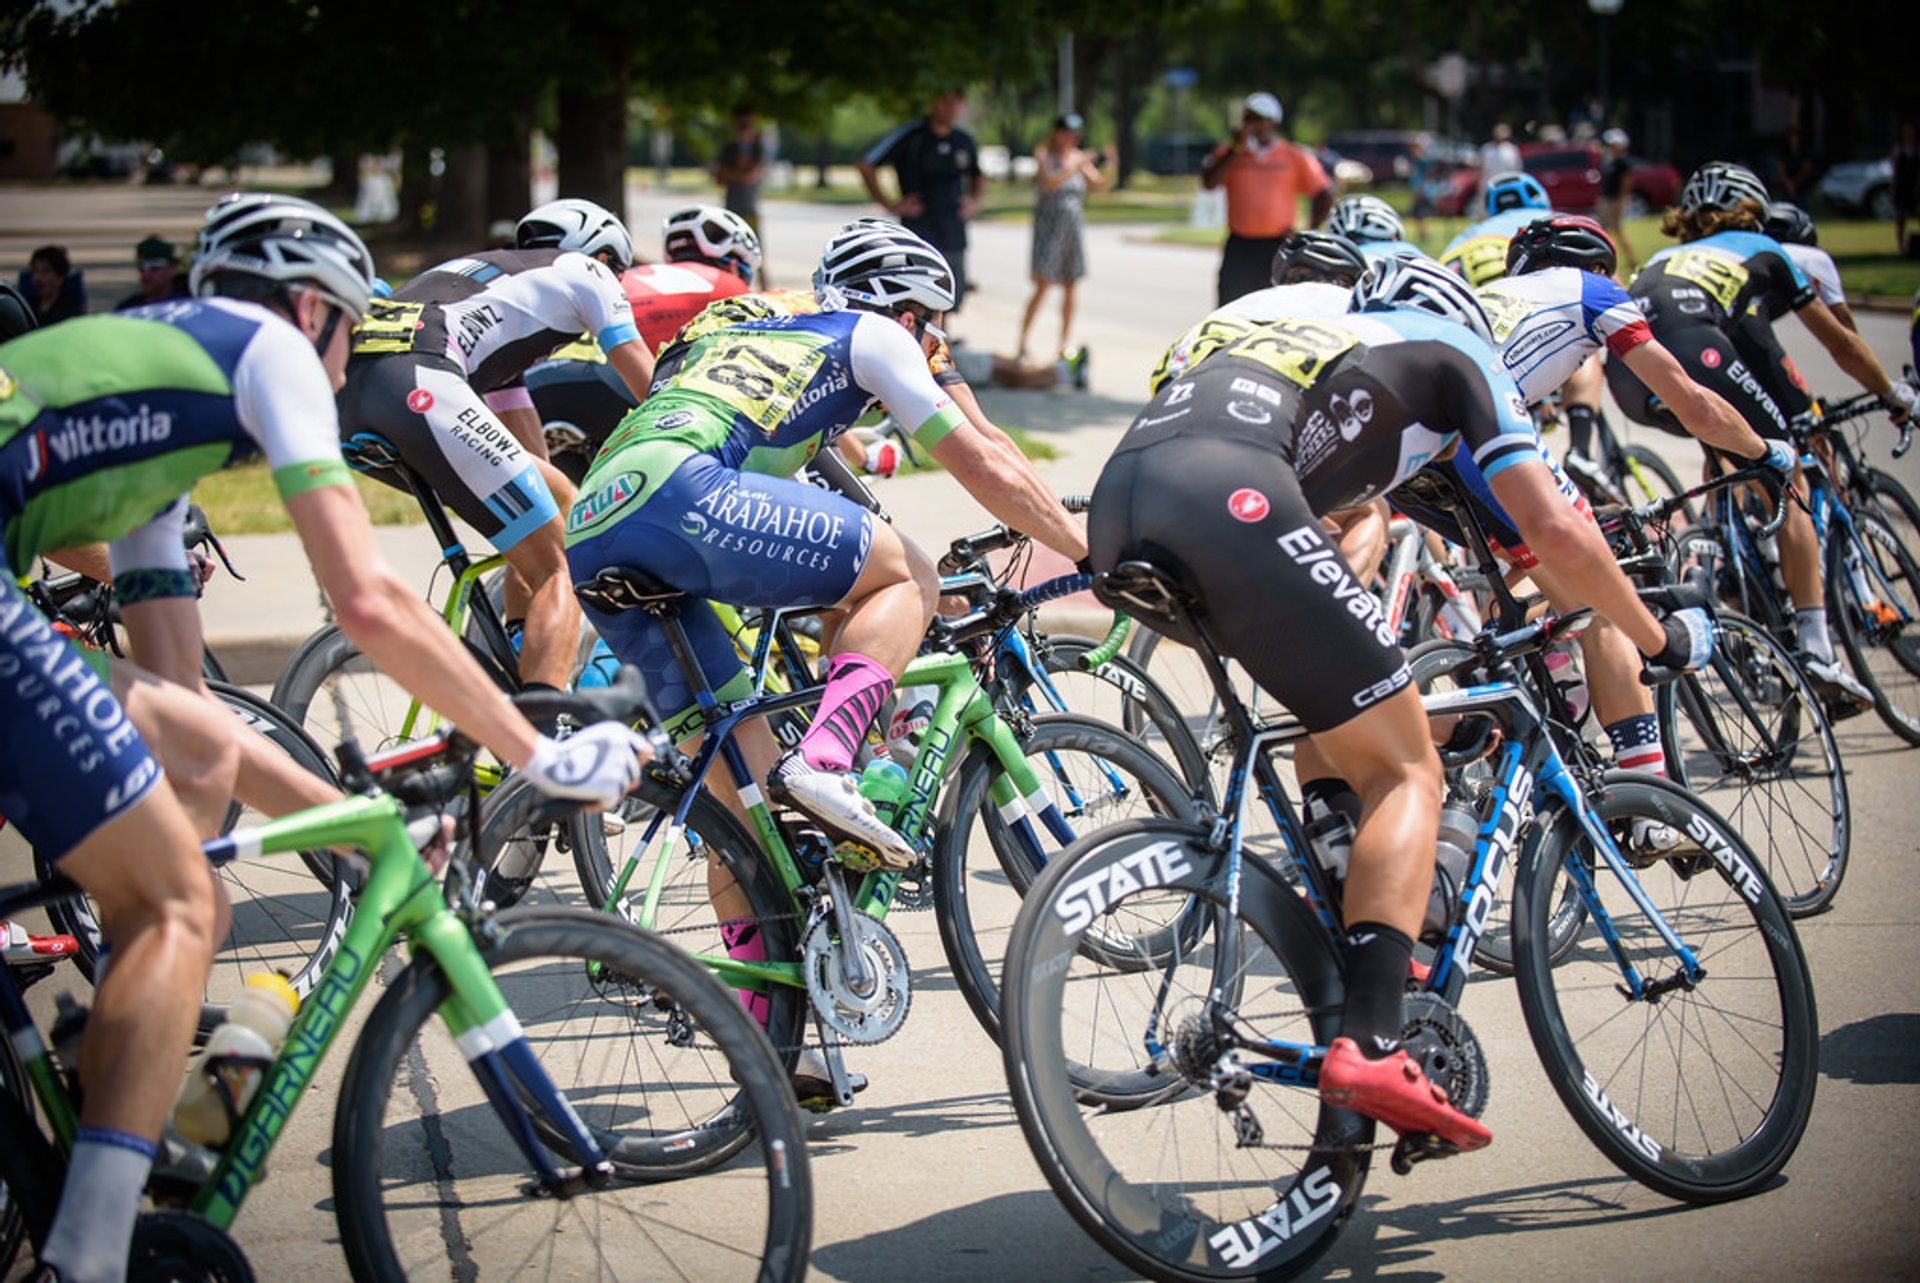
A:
(403, 1169)
(32, 1174)
(1742, 1040)
(1885, 657)
(1749, 736)
(1659, 470)
(1146, 712)
(1896, 506)
(283, 920)
(1151, 1166)
(685, 914)
(983, 864)
(334, 692)
(1432, 663)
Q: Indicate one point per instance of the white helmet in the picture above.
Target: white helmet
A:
(1361, 219)
(1420, 285)
(719, 236)
(284, 239)
(1721, 184)
(578, 225)
(882, 265)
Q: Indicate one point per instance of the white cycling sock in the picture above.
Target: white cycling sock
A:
(1811, 628)
(94, 1226)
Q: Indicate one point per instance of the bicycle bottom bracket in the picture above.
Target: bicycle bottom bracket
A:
(1439, 1041)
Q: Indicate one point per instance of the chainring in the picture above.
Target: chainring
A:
(857, 1018)
(1440, 1042)
(175, 1247)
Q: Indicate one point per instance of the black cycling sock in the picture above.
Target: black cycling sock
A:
(1377, 961)
(1330, 793)
(1580, 428)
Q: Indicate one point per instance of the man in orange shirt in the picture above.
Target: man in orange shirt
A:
(1265, 177)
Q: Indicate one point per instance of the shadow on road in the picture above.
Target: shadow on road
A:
(1875, 1051)
(1011, 1236)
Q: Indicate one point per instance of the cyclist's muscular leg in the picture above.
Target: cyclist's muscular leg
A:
(887, 612)
(541, 593)
(1800, 551)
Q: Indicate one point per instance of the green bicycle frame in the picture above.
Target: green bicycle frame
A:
(962, 711)
(454, 611)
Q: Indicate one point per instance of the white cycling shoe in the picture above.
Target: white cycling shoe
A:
(833, 800)
(1842, 691)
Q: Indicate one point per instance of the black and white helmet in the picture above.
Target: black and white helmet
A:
(1787, 223)
(882, 265)
(719, 236)
(286, 240)
(1361, 219)
(1420, 285)
(578, 225)
(1317, 256)
(1721, 184)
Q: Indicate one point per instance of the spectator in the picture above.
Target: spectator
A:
(1906, 187)
(1422, 173)
(741, 166)
(1264, 176)
(55, 288)
(1793, 170)
(1063, 171)
(160, 276)
(1616, 188)
(1498, 155)
(936, 164)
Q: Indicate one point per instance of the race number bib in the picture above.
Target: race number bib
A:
(1298, 351)
(1720, 276)
(759, 375)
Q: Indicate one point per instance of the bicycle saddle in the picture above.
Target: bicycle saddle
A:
(1143, 589)
(623, 588)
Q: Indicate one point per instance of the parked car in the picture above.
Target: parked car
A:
(1859, 187)
(1176, 154)
(1571, 175)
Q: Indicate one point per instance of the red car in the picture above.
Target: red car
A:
(1571, 175)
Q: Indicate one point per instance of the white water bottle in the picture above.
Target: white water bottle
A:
(1569, 680)
(236, 1060)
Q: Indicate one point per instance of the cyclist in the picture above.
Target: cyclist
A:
(105, 422)
(694, 488)
(1793, 227)
(1221, 481)
(1553, 312)
(1373, 227)
(1696, 296)
(1479, 252)
(436, 372)
(711, 253)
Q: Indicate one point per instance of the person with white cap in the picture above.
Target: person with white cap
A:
(1264, 176)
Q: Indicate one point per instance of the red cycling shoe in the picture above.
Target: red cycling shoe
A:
(1392, 1090)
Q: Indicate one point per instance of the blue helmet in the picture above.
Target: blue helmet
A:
(1515, 190)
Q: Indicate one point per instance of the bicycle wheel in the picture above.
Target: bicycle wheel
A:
(1145, 1157)
(1437, 666)
(991, 843)
(1702, 1090)
(1646, 478)
(32, 1172)
(1749, 736)
(287, 916)
(333, 691)
(1873, 601)
(713, 857)
(1121, 693)
(1895, 505)
(428, 1180)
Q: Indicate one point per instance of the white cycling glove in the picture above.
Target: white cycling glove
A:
(1781, 457)
(1689, 639)
(1902, 401)
(600, 764)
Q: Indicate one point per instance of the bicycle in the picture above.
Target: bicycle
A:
(1621, 474)
(1872, 580)
(432, 1178)
(1748, 733)
(1031, 785)
(1169, 1001)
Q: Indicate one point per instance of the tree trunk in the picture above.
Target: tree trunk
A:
(591, 142)
(343, 188)
(462, 220)
(509, 179)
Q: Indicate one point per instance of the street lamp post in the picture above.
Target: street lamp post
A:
(1606, 9)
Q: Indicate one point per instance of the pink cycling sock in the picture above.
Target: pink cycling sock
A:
(742, 937)
(856, 687)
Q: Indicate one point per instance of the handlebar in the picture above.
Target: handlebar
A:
(1659, 511)
(1005, 606)
(1854, 407)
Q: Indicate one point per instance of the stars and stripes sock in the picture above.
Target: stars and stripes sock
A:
(1636, 745)
(856, 687)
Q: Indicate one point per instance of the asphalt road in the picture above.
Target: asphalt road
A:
(928, 1178)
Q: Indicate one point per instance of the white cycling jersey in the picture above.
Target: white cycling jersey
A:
(1548, 322)
(1818, 266)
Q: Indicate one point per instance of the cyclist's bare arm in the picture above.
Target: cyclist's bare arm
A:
(634, 364)
(382, 615)
(1574, 549)
(1848, 350)
(1702, 411)
(1000, 477)
(89, 560)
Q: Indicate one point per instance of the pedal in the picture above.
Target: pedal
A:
(1418, 1149)
(857, 857)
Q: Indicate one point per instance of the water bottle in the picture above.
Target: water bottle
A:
(884, 783)
(1331, 834)
(1453, 853)
(912, 716)
(600, 669)
(1568, 679)
(221, 1085)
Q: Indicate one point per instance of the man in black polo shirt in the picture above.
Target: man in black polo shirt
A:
(937, 164)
